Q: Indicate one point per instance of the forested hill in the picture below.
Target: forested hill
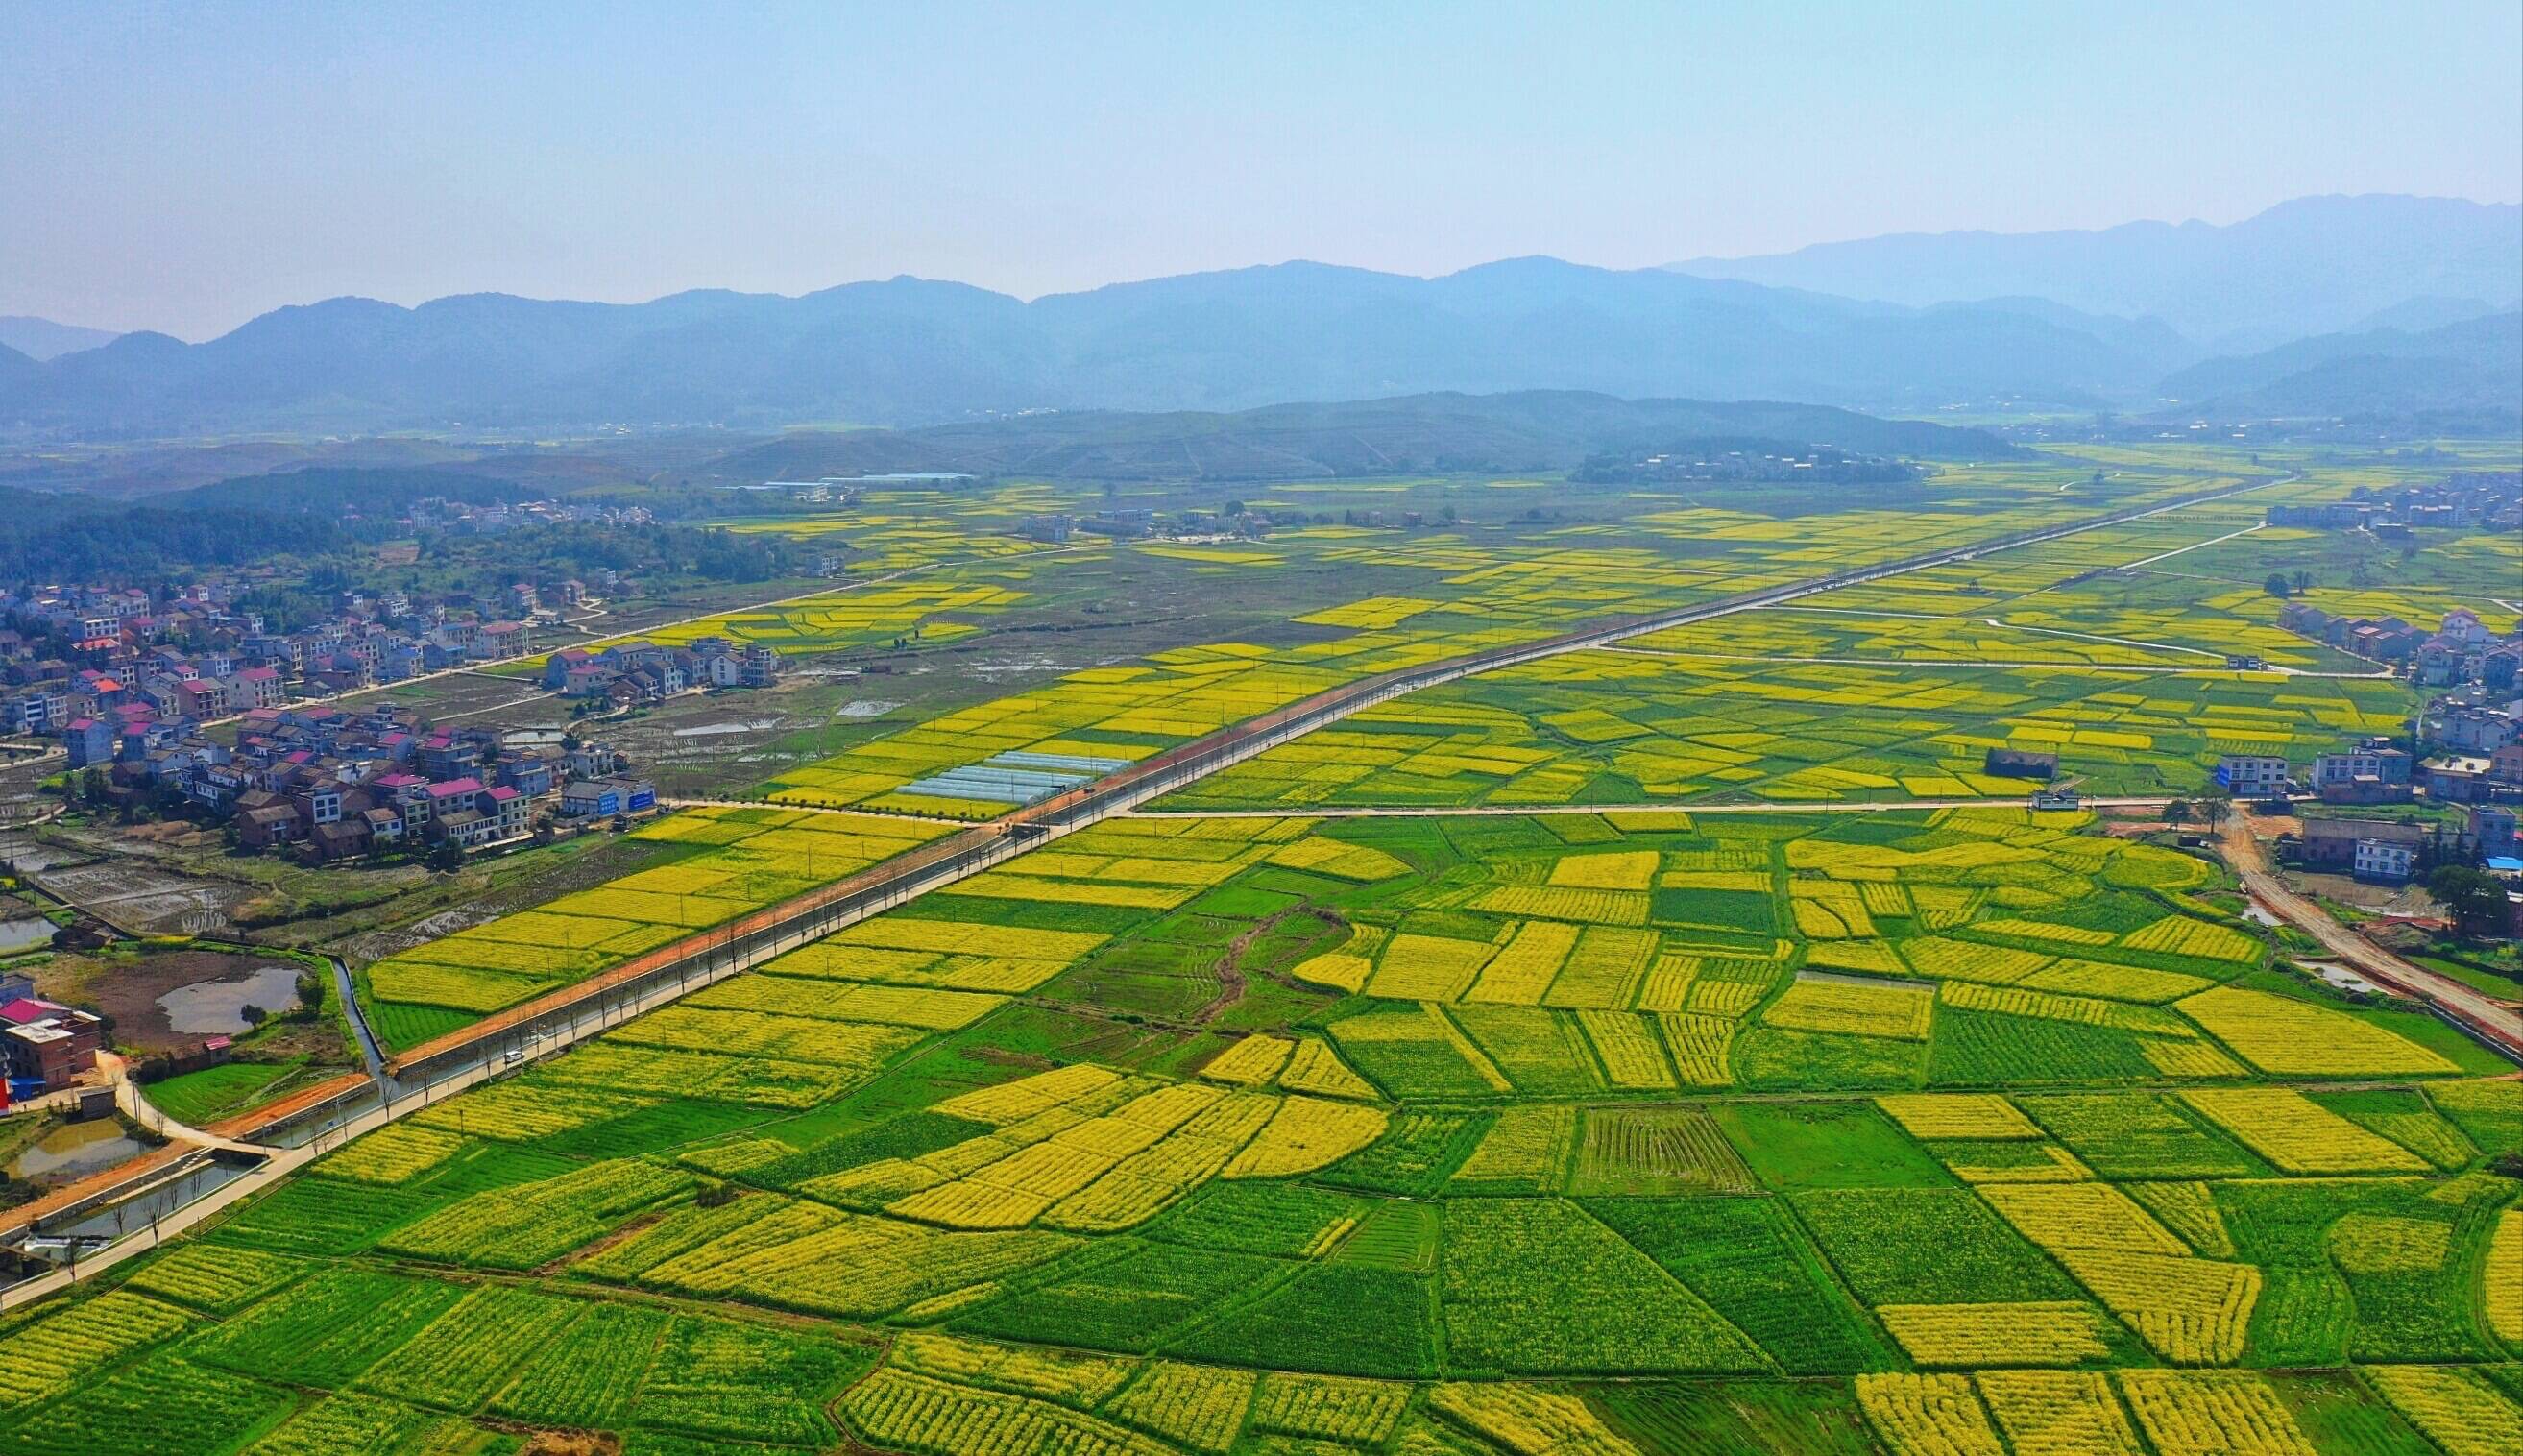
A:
(2473, 368)
(1531, 431)
(255, 518)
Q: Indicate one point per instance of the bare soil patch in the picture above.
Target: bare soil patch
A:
(127, 988)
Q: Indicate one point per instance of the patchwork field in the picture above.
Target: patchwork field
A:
(1618, 726)
(736, 861)
(2109, 648)
(1913, 1132)
(1213, 1134)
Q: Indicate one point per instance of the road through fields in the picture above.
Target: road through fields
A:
(325, 1117)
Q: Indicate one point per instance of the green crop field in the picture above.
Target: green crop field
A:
(1717, 1117)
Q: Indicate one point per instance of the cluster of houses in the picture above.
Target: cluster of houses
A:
(2481, 760)
(2461, 650)
(189, 657)
(466, 518)
(2390, 850)
(2467, 500)
(2486, 788)
(630, 674)
(1131, 523)
(342, 782)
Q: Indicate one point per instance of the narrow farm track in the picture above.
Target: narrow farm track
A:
(2485, 1019)
(319, 1119)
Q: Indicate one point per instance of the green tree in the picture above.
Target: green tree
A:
(2215, 809)
(2178, 811)
(2303, 581)
(2473, 899)
(2276, 585)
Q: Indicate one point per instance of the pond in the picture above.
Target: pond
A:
(75, 1149)
(217, 1007)
(25, 935)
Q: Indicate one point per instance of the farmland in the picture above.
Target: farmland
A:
(1621, 1130)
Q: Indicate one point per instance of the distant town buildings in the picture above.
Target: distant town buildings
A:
(2461, 649)
(633, 673)
(2465, 501)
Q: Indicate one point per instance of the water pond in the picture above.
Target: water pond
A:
(75, 1149)
(217, 1007)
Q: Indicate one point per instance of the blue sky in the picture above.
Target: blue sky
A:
(184, 167)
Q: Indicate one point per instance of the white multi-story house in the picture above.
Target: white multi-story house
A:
(2252, 775)
(2378, 860)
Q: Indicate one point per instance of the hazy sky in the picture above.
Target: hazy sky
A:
(185, 166)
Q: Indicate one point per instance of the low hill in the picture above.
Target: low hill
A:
(44, 338)
(1533, 430)
(2472, 367)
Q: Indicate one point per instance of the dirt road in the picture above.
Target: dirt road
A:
(2498, 1023)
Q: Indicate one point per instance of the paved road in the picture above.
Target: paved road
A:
(1975, 662)
(1681, 806)
(2498, 1023)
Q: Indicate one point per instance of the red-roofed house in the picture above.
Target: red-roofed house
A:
(48, 1043)
(203, 697)
(558, 665)
(409, 794)
(454, 795)
(255, 687)
(26, 1008)
(91, 742)
(507, 809)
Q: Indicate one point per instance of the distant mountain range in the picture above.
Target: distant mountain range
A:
(1536, 429)
(42, 339)
(2314, 266)
(910, 352)
(2086, 320)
